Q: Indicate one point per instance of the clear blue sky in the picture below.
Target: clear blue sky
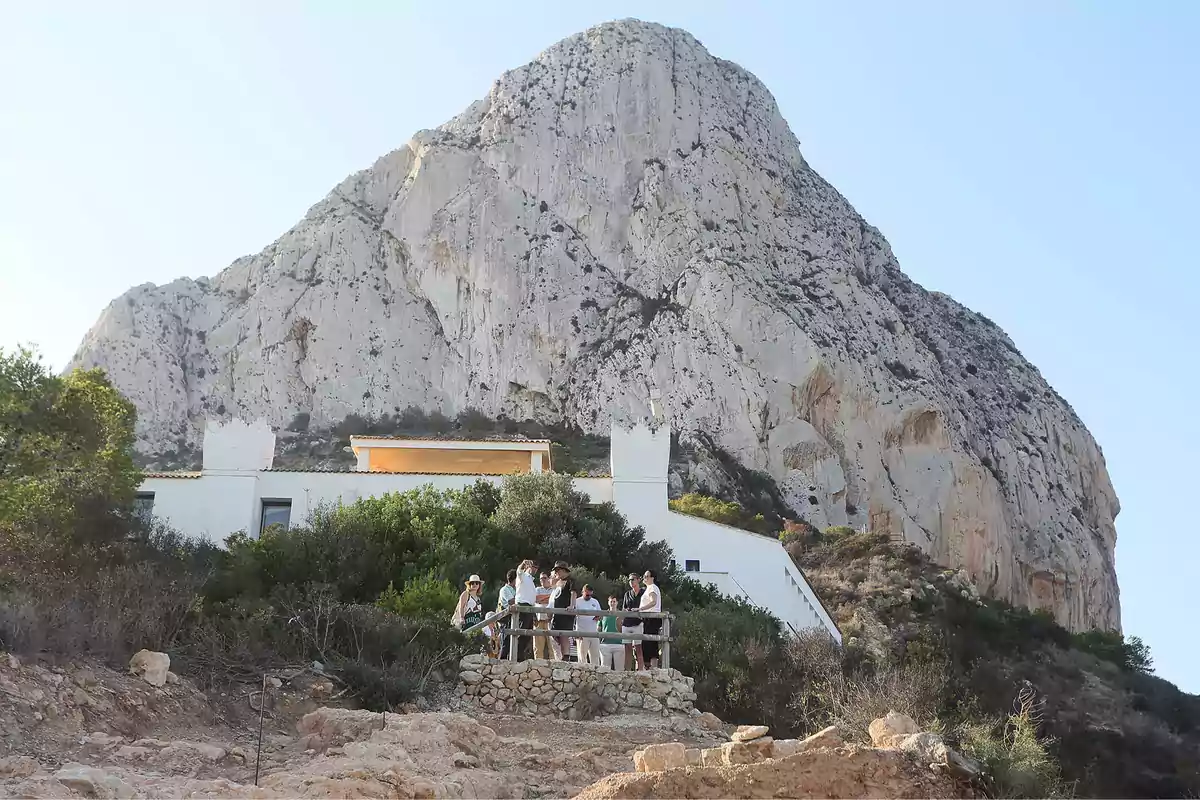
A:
(1038, 161)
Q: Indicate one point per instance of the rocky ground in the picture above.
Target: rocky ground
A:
(75, 730)
(86, 731)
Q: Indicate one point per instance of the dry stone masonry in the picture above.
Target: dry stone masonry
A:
(571, 690)
(627, 212)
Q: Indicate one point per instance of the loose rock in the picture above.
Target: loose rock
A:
(150, 666)
(746, 733)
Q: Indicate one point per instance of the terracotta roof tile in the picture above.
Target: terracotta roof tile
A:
(170, 474)
(452, 439)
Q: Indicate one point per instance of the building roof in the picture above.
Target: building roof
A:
(353, 471)
(170, 474)
(453, 439)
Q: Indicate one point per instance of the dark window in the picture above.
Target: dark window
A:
(275, 512)
(143, 504)
(691, 565)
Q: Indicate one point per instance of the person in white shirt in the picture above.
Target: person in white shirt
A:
(526, 596)
(589, 649)
(651, 601)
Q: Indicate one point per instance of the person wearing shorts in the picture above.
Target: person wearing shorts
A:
(632, 602)
(562, 597)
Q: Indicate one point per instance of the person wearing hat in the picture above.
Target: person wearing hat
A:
(469, 610)
(563, 596)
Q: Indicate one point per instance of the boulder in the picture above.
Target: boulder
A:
(764, 746)
(150, 666)
(890, 726)
(657, 758)
(746, 733)
(830, 737)
(17, 767)
(739, 753)
(929, 749)
(925, 747)
(709, 721)
(92, 782)
(101, 739)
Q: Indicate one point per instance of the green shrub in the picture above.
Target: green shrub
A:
(1131, 655)
(427, 596)
(835, 532)
(602, 585)
(1018, 762)
(360, 549)
(727, 513)
(727, 648)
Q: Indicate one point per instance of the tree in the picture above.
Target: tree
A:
(542, 516)
(66, 457)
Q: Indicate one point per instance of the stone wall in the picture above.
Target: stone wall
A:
(570, 690)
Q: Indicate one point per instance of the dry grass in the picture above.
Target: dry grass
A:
(110, 613)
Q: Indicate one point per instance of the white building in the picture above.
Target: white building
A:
(238, 489)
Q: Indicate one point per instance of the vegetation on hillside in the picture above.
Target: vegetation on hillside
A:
(1006, 676)
(727, 513)
(366, 589)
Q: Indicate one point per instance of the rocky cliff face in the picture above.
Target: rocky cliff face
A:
(629, 213)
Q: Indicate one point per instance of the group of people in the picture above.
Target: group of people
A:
(525, 586)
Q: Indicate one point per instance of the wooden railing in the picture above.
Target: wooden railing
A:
(513, 613)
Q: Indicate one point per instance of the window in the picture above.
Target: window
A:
(143, 505)
(275, 512)
(691, 565)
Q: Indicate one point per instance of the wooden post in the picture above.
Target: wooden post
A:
(665, 644)
(512, 640)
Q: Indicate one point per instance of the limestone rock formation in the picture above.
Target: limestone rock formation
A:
(629, 213)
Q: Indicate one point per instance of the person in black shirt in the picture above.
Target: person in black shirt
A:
(631, 602)
(563, 596)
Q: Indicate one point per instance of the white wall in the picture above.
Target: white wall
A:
(218, 504)
(757, 568)
(210, 507)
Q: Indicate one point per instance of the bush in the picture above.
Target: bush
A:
(142, 594)
(727, 513)
(602, 585)
(1131, 655)
(729, 648)
(360, 549)
(382, 658)
(918, 689)
(424, 597)
(1018, 762)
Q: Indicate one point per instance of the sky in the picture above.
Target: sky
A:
(1038, 161)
